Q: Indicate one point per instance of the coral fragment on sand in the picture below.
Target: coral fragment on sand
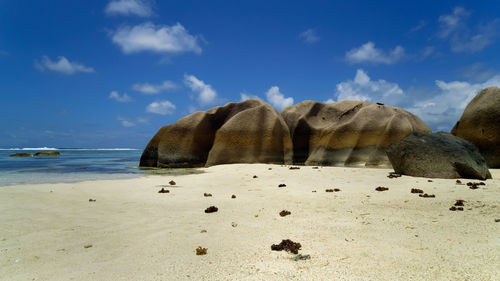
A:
(201, 251)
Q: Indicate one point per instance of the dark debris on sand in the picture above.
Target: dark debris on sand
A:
(459, 202)
(332, 190)
(163, 190)
(285, 213)
(92, 200)
(287, 245)
(211, 209)
(475, 185)
(453, 208)
(171, 182)
(207, 194)
(200, 251)
(233, 196)
(416, 190)
(255, 176)
(381, 188)
(282, 185)
(294, 168)
(425, 195)
(458, 182)
(393, 175)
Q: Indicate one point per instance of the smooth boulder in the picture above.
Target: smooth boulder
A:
(48, 153)
(251, 131)
(438, 155)
(347, 133)
(480, 124)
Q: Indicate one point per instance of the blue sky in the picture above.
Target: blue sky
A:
(111, 73)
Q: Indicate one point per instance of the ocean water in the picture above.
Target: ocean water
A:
(74, 165)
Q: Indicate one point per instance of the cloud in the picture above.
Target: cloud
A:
(444, 108)
(462, 38)
(165, 39)
(206, 94)
(364, 89)
(161, 107)
(151, 89)
(245, 96)
(309, 36)
(114, 95)
(421, 24)
(440, 107)
(367, 53)
(62, 65)
(277, 99)
(126, 122)
(141, 8)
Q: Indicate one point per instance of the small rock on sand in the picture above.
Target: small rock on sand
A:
(282, 185)
(171, 182)
(163, 190)
(301, 257)
(381, 188)
(211, 209)
(86, 246)
(92, 200)
(233, 224)
(207, 194)
(233, 196)
(285, 213)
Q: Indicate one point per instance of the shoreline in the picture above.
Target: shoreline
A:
(354, 234)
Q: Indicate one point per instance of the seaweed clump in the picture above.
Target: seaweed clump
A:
(287, 245)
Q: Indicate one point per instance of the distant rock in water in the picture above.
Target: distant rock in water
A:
(21, 155)
(438, 155)
(347, 133)
(48, 153)
(251, 131)
(480, 124)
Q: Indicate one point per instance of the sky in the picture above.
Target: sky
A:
(108, 74)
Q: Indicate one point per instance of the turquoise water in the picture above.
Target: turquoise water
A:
(74, 165)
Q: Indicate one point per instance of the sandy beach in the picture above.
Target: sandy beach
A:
(132, 232)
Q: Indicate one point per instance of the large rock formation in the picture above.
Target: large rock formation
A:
(246, 132)
(438, 155)
(480, 124)
(351, 133)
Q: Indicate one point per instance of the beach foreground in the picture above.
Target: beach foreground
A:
(132, 232)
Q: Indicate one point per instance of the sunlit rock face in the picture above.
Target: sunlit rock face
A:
(480, 125)
(347, 133)
(251, 131)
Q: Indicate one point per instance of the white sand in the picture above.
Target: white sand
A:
(355, 234)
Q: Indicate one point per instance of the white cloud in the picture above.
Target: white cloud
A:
(444, 109)
(367, 53)
(245, 96)
(62, 65)
(206, 94)
(364, 89)
(151, 89)
(453, 27)
(125, 122)
(156, 38)
(161, 107)
(421, 24)
(277, 99)
(120, 98)
(141, 8)
(309, 36)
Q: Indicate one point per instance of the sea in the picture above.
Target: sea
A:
(75, 165)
